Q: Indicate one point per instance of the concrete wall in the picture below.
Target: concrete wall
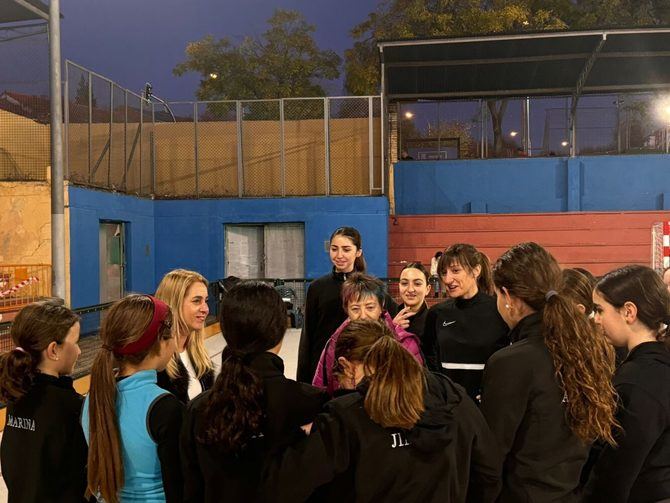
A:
(535, 185)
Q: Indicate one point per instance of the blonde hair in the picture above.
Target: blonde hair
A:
(172, 290)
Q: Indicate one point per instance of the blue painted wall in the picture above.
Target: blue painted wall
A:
(191, 233)
(553, 184)
(87, 209)
(165, 234)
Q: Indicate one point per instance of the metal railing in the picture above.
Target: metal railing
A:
(118, 140)
(21, 284)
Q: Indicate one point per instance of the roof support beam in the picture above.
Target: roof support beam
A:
(33, 9)
(581, 81)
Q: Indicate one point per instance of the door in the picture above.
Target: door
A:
(265, 251)
(285, 251)
(112, 261)
(244, 251)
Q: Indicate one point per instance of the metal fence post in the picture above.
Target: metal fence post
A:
(139, 186)
(90, 121)
(111, 126)
(371, 158)
(66, 113)
(326, 135)
(240, 161)
(125, 140)
(197, 167)
(153, 149)
(281, 147)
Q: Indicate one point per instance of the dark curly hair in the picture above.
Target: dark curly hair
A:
(253, 320)
(582, 361)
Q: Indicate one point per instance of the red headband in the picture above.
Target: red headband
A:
(161, 310)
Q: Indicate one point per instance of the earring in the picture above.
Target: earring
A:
(507, 306)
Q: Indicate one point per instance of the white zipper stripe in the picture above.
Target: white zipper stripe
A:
(463, 366)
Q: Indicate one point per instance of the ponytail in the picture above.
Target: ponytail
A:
(584, 366)
(360, 264)
(126, 326)
(253, 321)
(235, 411)
(485, 279)
(105, 463)
(35, 327)
(395, 395)
(17, 371)
(583, 363)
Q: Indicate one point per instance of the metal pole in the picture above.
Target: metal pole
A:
(125, 140)
(326, 136)
(197, 166)
(57, 183)
(384, 122)
(240, 163)
(482, 128)
(90, 125)
(371, 158)
(66, 131)
(152, 137)
(281, 147)
(141, 126)
(527, 133)
(111, 136)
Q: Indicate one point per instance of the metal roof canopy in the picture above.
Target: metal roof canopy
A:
(16, 11)
(528, 64)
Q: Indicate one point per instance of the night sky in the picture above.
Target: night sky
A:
(134, 41)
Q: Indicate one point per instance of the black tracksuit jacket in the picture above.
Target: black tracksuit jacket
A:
(323, 315)
(449, 456)
(638, 469)
(523, 404)
(463, 333)
(179, 386)
(43, 452)
(417, 323)
(209, 475)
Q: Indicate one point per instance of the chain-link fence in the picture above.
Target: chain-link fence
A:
(634, 123)
(24, 102)
(118, 140)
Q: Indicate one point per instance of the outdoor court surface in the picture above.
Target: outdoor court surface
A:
(215, 344)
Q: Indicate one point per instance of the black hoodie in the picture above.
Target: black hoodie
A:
(211, 476)
(43, 450)
(638, 470)
(523, 404)
(449, 456)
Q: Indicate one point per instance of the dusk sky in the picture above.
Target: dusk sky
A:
(134, 41)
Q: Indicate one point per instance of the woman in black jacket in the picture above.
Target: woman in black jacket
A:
(252, 408)
(414, 287)
(400, 434)
(43, 450)
(323, 306)
(190, 371)
(632, 304)
(548, 395)
(461, 333)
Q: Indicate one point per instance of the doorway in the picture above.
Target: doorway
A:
(265, 251)
(112, 261)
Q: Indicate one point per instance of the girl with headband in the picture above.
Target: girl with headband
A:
(131, 424)
(548, 395)
(43, 451)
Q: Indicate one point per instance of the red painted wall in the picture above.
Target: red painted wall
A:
(598, 241)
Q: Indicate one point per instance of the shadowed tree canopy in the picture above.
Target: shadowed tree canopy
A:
(399, 19)
(283, 62)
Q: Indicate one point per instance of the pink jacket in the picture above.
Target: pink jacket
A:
(329, 382)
